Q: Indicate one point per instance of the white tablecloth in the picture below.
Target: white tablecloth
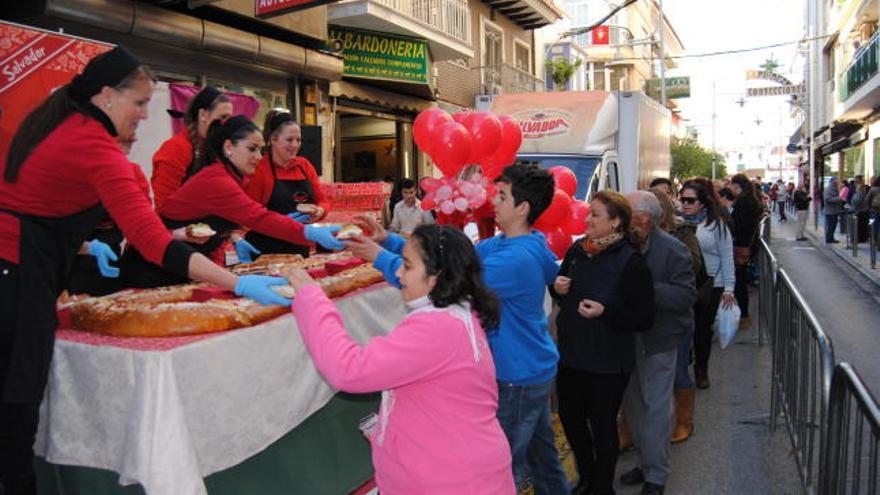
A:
(166, 419)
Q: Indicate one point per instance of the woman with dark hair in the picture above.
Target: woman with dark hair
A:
(746, 215)
(181, 152)
(699, 207)
(605, 292)
(212, 194)
(284, 180)
(437, 430)
(63, 168)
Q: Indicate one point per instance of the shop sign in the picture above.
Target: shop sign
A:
(676, 87)
(270, 8)
(384, 56)
(791, 89)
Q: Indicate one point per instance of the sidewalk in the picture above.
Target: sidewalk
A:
(816, 237)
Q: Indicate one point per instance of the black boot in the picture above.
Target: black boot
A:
(702, 378)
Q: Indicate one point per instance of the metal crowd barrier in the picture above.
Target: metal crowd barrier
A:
(850, 462)
(767, 268)
(803, 359)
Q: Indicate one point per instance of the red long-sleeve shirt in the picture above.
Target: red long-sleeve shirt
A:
(169, 166)
(214, 191)
(259, 185)
(78, 165)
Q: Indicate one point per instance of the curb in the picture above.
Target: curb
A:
(819, 243)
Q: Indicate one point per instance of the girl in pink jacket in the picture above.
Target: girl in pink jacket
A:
(437, 431)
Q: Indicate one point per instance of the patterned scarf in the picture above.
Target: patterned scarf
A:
(596, 246)
(696, 218)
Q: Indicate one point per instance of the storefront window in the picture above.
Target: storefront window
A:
(368, 148)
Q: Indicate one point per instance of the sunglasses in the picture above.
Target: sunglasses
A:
(688, 201)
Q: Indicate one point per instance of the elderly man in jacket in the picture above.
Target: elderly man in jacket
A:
(833, 210)
(647, 401)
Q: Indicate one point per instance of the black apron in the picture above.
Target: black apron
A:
(286, 194)
(139, 273)
(86, 278)
(47, 249)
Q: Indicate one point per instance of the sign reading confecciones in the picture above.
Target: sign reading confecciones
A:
(382, 56)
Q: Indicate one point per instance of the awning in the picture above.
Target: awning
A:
(834, 146)
(378, 97)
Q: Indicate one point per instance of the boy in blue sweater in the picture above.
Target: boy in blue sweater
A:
(517, 266)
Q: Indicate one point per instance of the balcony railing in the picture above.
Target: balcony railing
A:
(862, 68)
(506, 78)
(450, 17)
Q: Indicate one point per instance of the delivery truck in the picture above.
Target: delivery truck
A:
(616, 140)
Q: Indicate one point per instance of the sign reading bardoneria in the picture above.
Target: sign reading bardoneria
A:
(382, 56)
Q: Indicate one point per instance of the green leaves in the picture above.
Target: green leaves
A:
(561, 70)
(689, 159)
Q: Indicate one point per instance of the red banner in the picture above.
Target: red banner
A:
(33, 63)
(600, 35)
(269, 8)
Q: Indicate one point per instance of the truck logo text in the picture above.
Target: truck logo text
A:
(541, 124)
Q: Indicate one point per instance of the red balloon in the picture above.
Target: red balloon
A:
(555, 213)
(576, 223)
(485, 130)
(428, 203)
(558, 242)
(451, 147)
(495, 164)
(462, 116)
(511, 136)
(430, 184)
(425, 126)
(565, 179)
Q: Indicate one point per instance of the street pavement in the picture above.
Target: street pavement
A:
(844, 294)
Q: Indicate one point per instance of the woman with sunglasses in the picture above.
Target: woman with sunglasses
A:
(700, 207)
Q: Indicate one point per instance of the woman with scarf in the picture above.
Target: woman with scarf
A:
(437, 430)
(605, 293)
(63, 171)
(178, 154)
(283, 181)
(699, 207)
(213, 194)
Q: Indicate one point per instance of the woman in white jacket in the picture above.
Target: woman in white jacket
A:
(699, 206)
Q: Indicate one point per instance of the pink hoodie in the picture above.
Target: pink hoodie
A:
(437, 431)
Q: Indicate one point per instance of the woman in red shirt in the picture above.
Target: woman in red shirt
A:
(213, 195)
(179, 153)
(283, 180)
(63, 168)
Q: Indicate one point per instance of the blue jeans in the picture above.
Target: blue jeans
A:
(524, 414)
(683, 363)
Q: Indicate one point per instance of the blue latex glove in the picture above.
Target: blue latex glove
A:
(300, 217)
(246, 251)
(259, 288)
(324, 236)
(104, 255)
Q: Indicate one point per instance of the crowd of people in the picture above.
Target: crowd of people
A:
(468, 375)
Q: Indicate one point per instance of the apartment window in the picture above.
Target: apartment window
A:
(522, 56)
(493, 51)
(828, 55)
(597, 76)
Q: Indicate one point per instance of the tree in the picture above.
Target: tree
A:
(689, 159)
(561, 70)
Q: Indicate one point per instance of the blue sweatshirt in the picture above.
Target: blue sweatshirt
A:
(518, 270)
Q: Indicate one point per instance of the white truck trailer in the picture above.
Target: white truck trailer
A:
(611, 140)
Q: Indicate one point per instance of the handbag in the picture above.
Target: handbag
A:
(742, 255)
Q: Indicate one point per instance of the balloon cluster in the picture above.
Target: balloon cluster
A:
(566, 216)
(448, 195)
(467, 137)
